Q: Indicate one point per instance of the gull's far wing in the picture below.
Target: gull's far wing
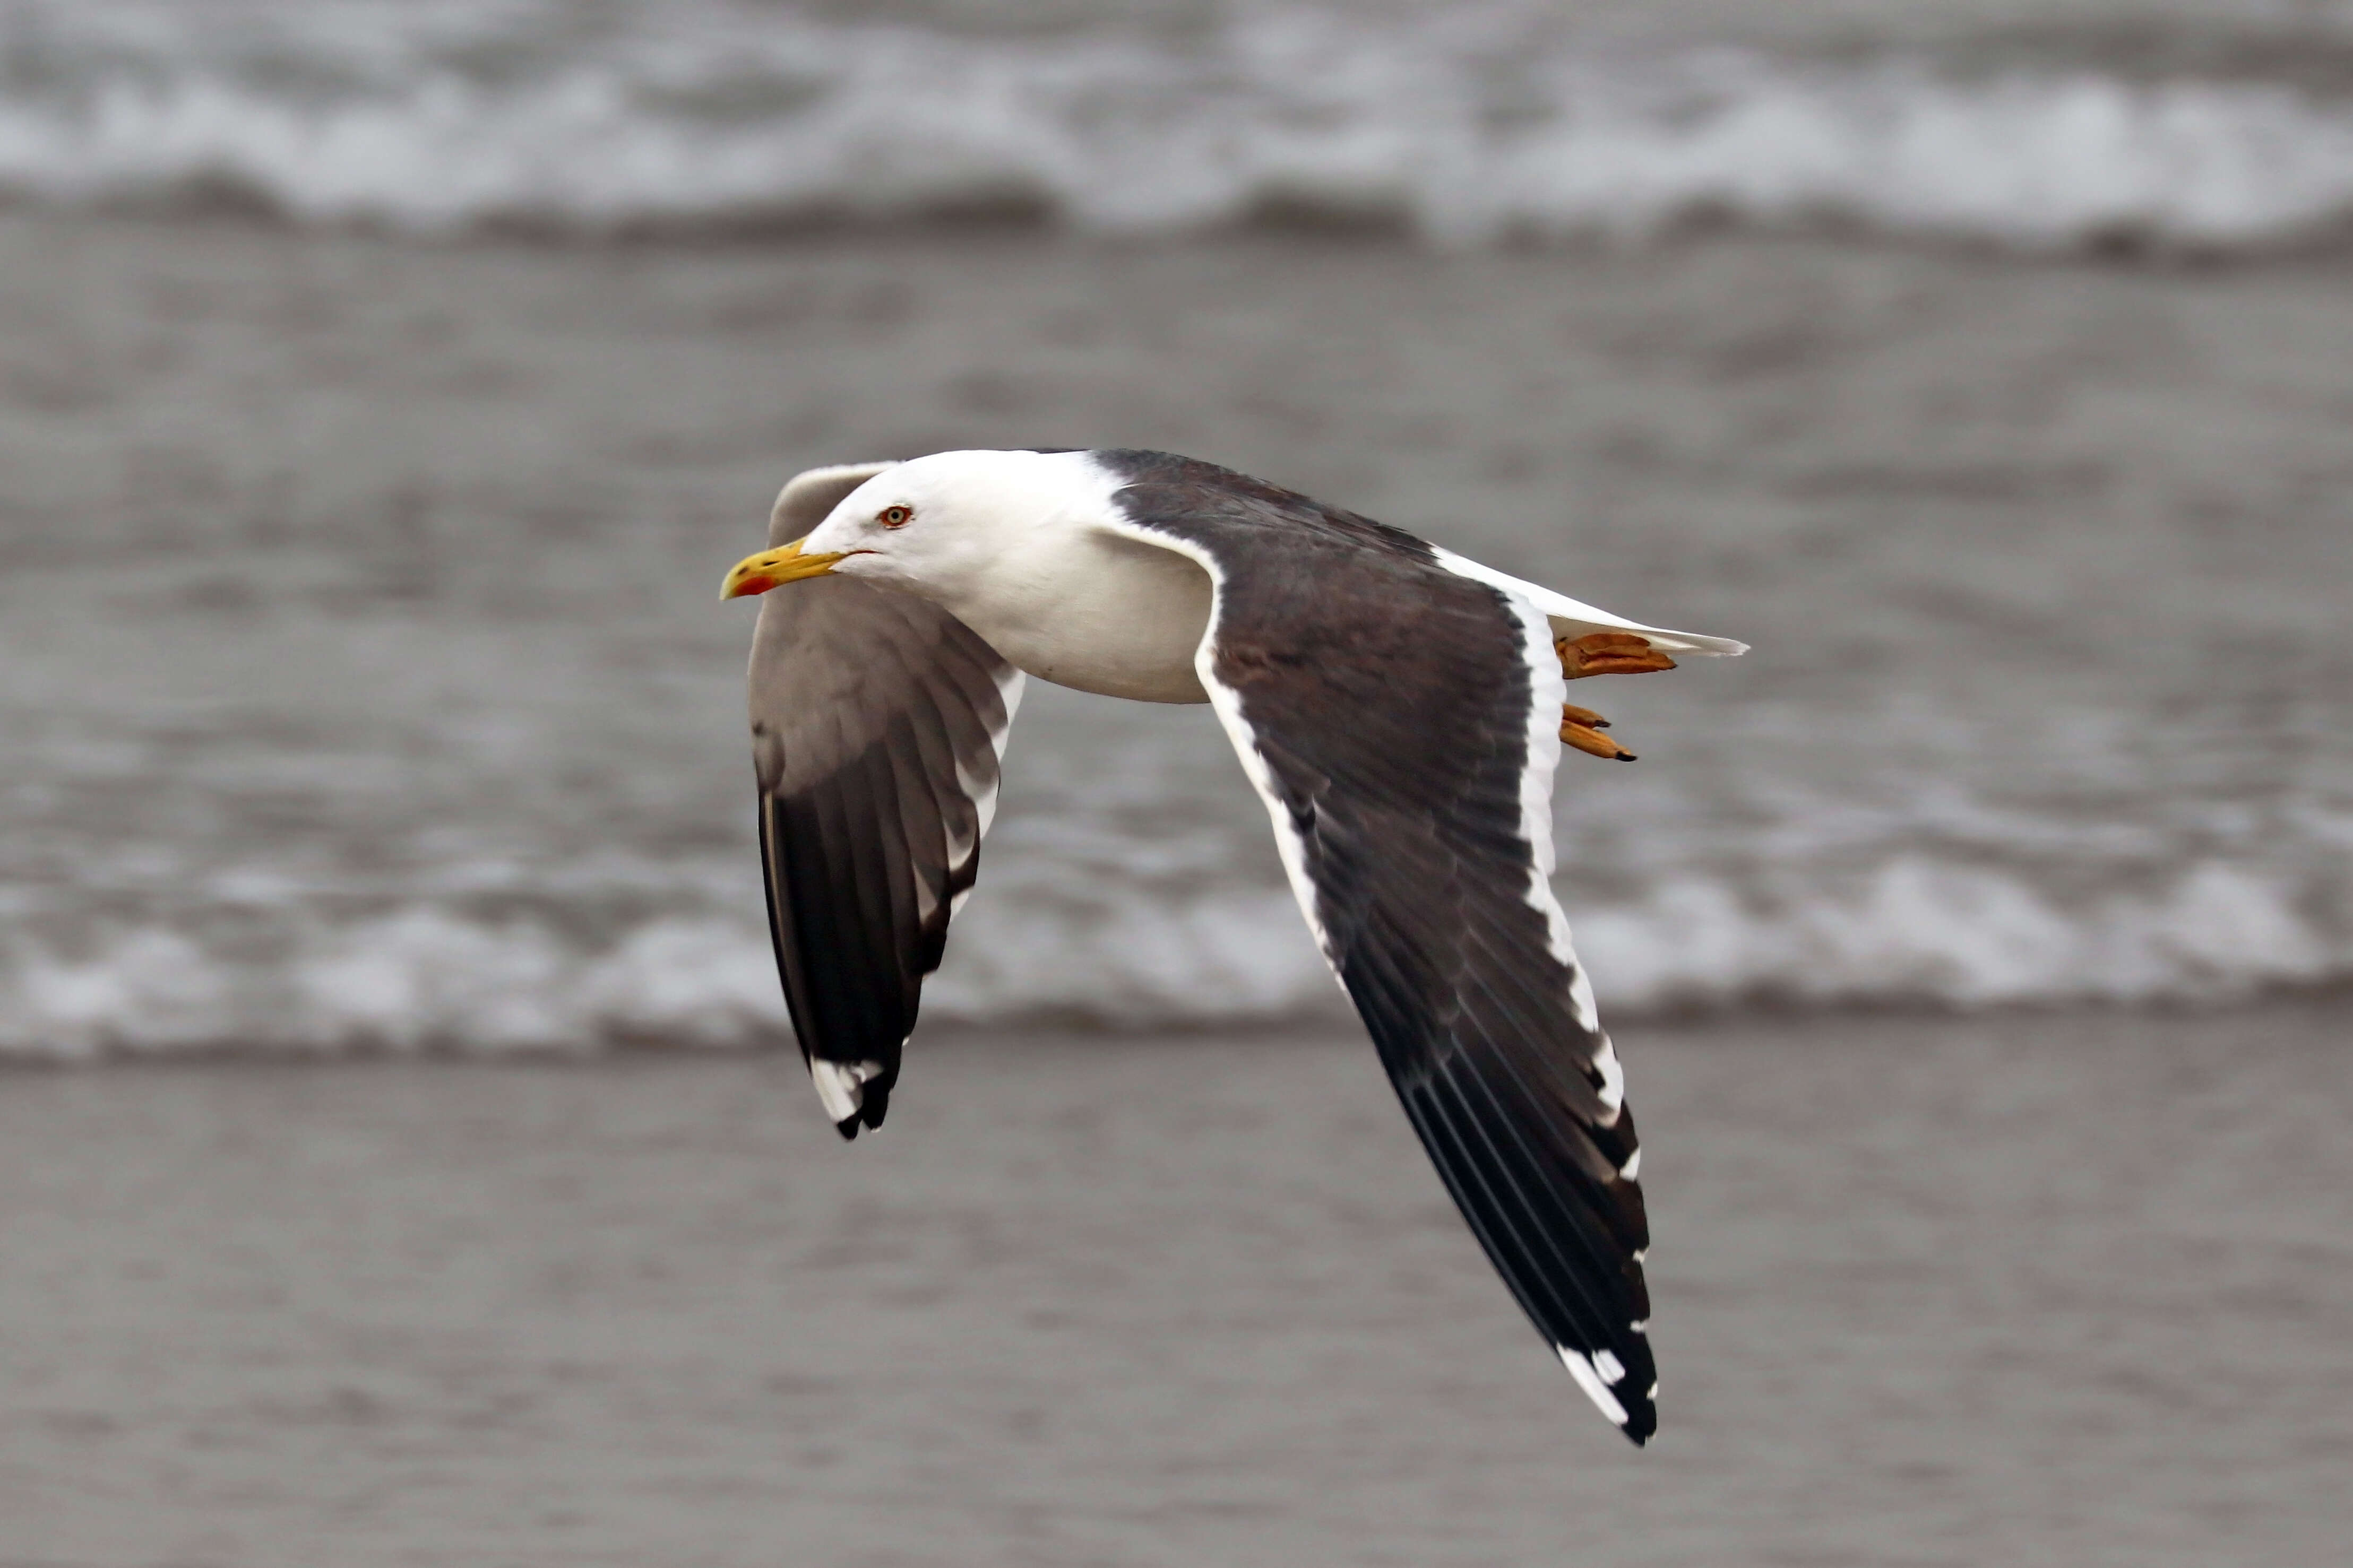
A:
(1399, 717)
(877, 722)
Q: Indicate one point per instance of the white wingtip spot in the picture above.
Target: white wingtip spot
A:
(840, 1086)
(1632, 1169)
(1590, 1381)
(1612, 1368)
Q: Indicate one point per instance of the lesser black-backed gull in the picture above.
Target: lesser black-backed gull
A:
(1398, 708)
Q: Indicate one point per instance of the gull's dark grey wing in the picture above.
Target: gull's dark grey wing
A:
(1399, 717)
(877, 722)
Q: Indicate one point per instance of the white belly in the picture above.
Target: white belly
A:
(1099, 612)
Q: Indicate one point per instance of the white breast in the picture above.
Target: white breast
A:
(1089, 609)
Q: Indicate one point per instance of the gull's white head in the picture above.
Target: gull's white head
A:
(936, 526)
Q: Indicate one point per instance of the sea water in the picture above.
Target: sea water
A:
(447, 758)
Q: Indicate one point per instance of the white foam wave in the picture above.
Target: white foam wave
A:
(1916, 932)
(1920, 932)
(1449, 129)
(421, 978)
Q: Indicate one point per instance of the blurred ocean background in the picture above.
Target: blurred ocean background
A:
(2219, 126)
(385, 385)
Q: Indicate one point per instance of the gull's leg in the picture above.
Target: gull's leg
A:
(1601, 653)
(1586, 737)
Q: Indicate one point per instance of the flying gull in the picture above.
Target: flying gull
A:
(1397, 706)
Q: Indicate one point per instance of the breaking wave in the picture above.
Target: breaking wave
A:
(430, 978)
(1468, 128)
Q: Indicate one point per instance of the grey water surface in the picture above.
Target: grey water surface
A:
(365, 684)
(384, 388)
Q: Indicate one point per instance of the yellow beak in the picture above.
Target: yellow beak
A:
(770, 568)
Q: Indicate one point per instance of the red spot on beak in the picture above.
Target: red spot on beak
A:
(751, 586)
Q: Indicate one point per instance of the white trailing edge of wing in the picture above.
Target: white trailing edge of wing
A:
(1569, 617)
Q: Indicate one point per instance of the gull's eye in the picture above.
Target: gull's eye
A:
(895, 516)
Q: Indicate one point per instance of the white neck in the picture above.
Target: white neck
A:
(1064, 597)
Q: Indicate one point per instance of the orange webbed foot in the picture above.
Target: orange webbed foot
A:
(1580, 727)
(1608, 653)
